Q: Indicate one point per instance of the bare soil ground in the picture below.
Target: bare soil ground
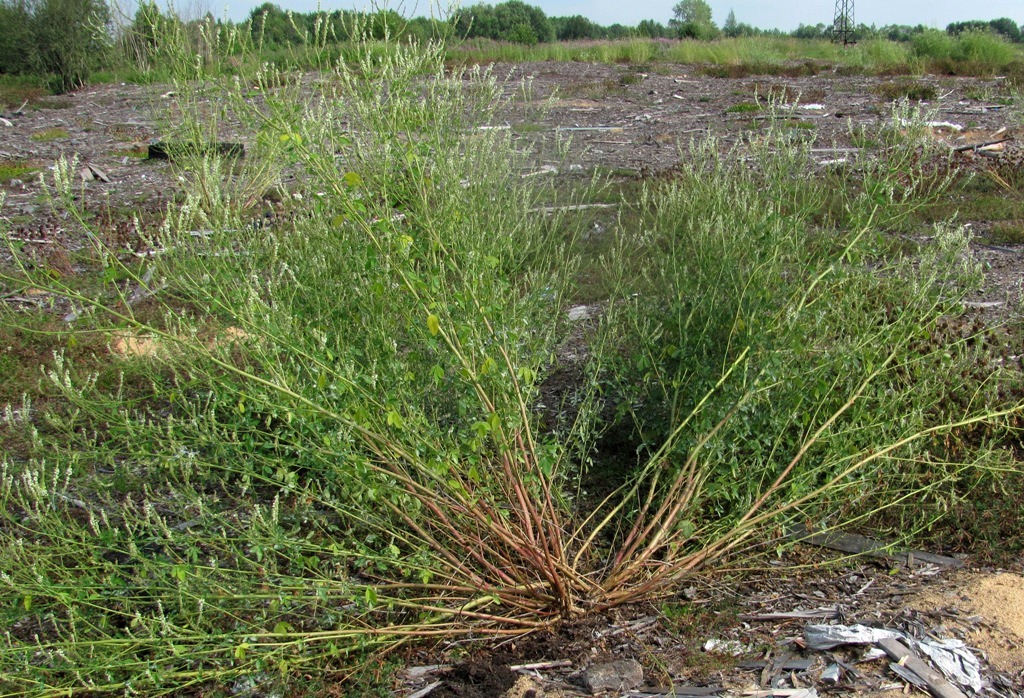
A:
(625, 121)
(620, 120)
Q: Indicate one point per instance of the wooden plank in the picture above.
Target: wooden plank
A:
(680, 691)
(862, 545)
(790, 664)
(937, 684)
(832, 612)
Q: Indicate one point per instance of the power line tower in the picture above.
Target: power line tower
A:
(843, 25)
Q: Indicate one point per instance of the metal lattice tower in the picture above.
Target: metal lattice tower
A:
(843, 25)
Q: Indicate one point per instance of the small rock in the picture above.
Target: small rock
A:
(621, 675)
(731, 647)
(579, 312)
(832, 674)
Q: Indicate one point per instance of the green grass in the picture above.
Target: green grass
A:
(935, 52)
(50, 134)
(16, 91)
(906, 89)
(16, 169)
(978, 198)
(1009, 232)
(744, 108)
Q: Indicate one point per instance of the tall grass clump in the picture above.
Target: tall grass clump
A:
(883, 55)
(332, 442)
(934, 44)
(785, 353)
(970, 53)
(986, 48)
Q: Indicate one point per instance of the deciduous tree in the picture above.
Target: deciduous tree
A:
(692, 19)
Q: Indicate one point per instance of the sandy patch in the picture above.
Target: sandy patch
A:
(131, 346)
(999, 602)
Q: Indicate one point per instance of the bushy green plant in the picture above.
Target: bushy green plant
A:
(325, 438)
(356, 387)
(15, 37)
(933, 44)
(881, 54)
(737, 274)
(63, 40)
(985, 48)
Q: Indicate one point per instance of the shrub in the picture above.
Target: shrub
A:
(984, 48)
(63, 40)
(933, 44)
(15, 37)
(70, 39)
(737, 276)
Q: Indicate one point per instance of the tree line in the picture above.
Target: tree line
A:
(65, 41)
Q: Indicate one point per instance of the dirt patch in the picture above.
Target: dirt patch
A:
(479, 678)
(989, 609)
(130, 346)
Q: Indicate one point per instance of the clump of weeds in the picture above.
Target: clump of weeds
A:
(331, 444)
(913, 90)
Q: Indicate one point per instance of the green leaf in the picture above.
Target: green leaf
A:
(27, 602)
(370, 596)
(283, 628)
(352, 179)
(433, 324)
(241, 650)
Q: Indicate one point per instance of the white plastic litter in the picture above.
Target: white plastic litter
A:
(952, 657)
(955, 660)
(733, 647)
(825, 637)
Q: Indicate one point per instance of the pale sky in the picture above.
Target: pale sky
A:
(782, 14)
